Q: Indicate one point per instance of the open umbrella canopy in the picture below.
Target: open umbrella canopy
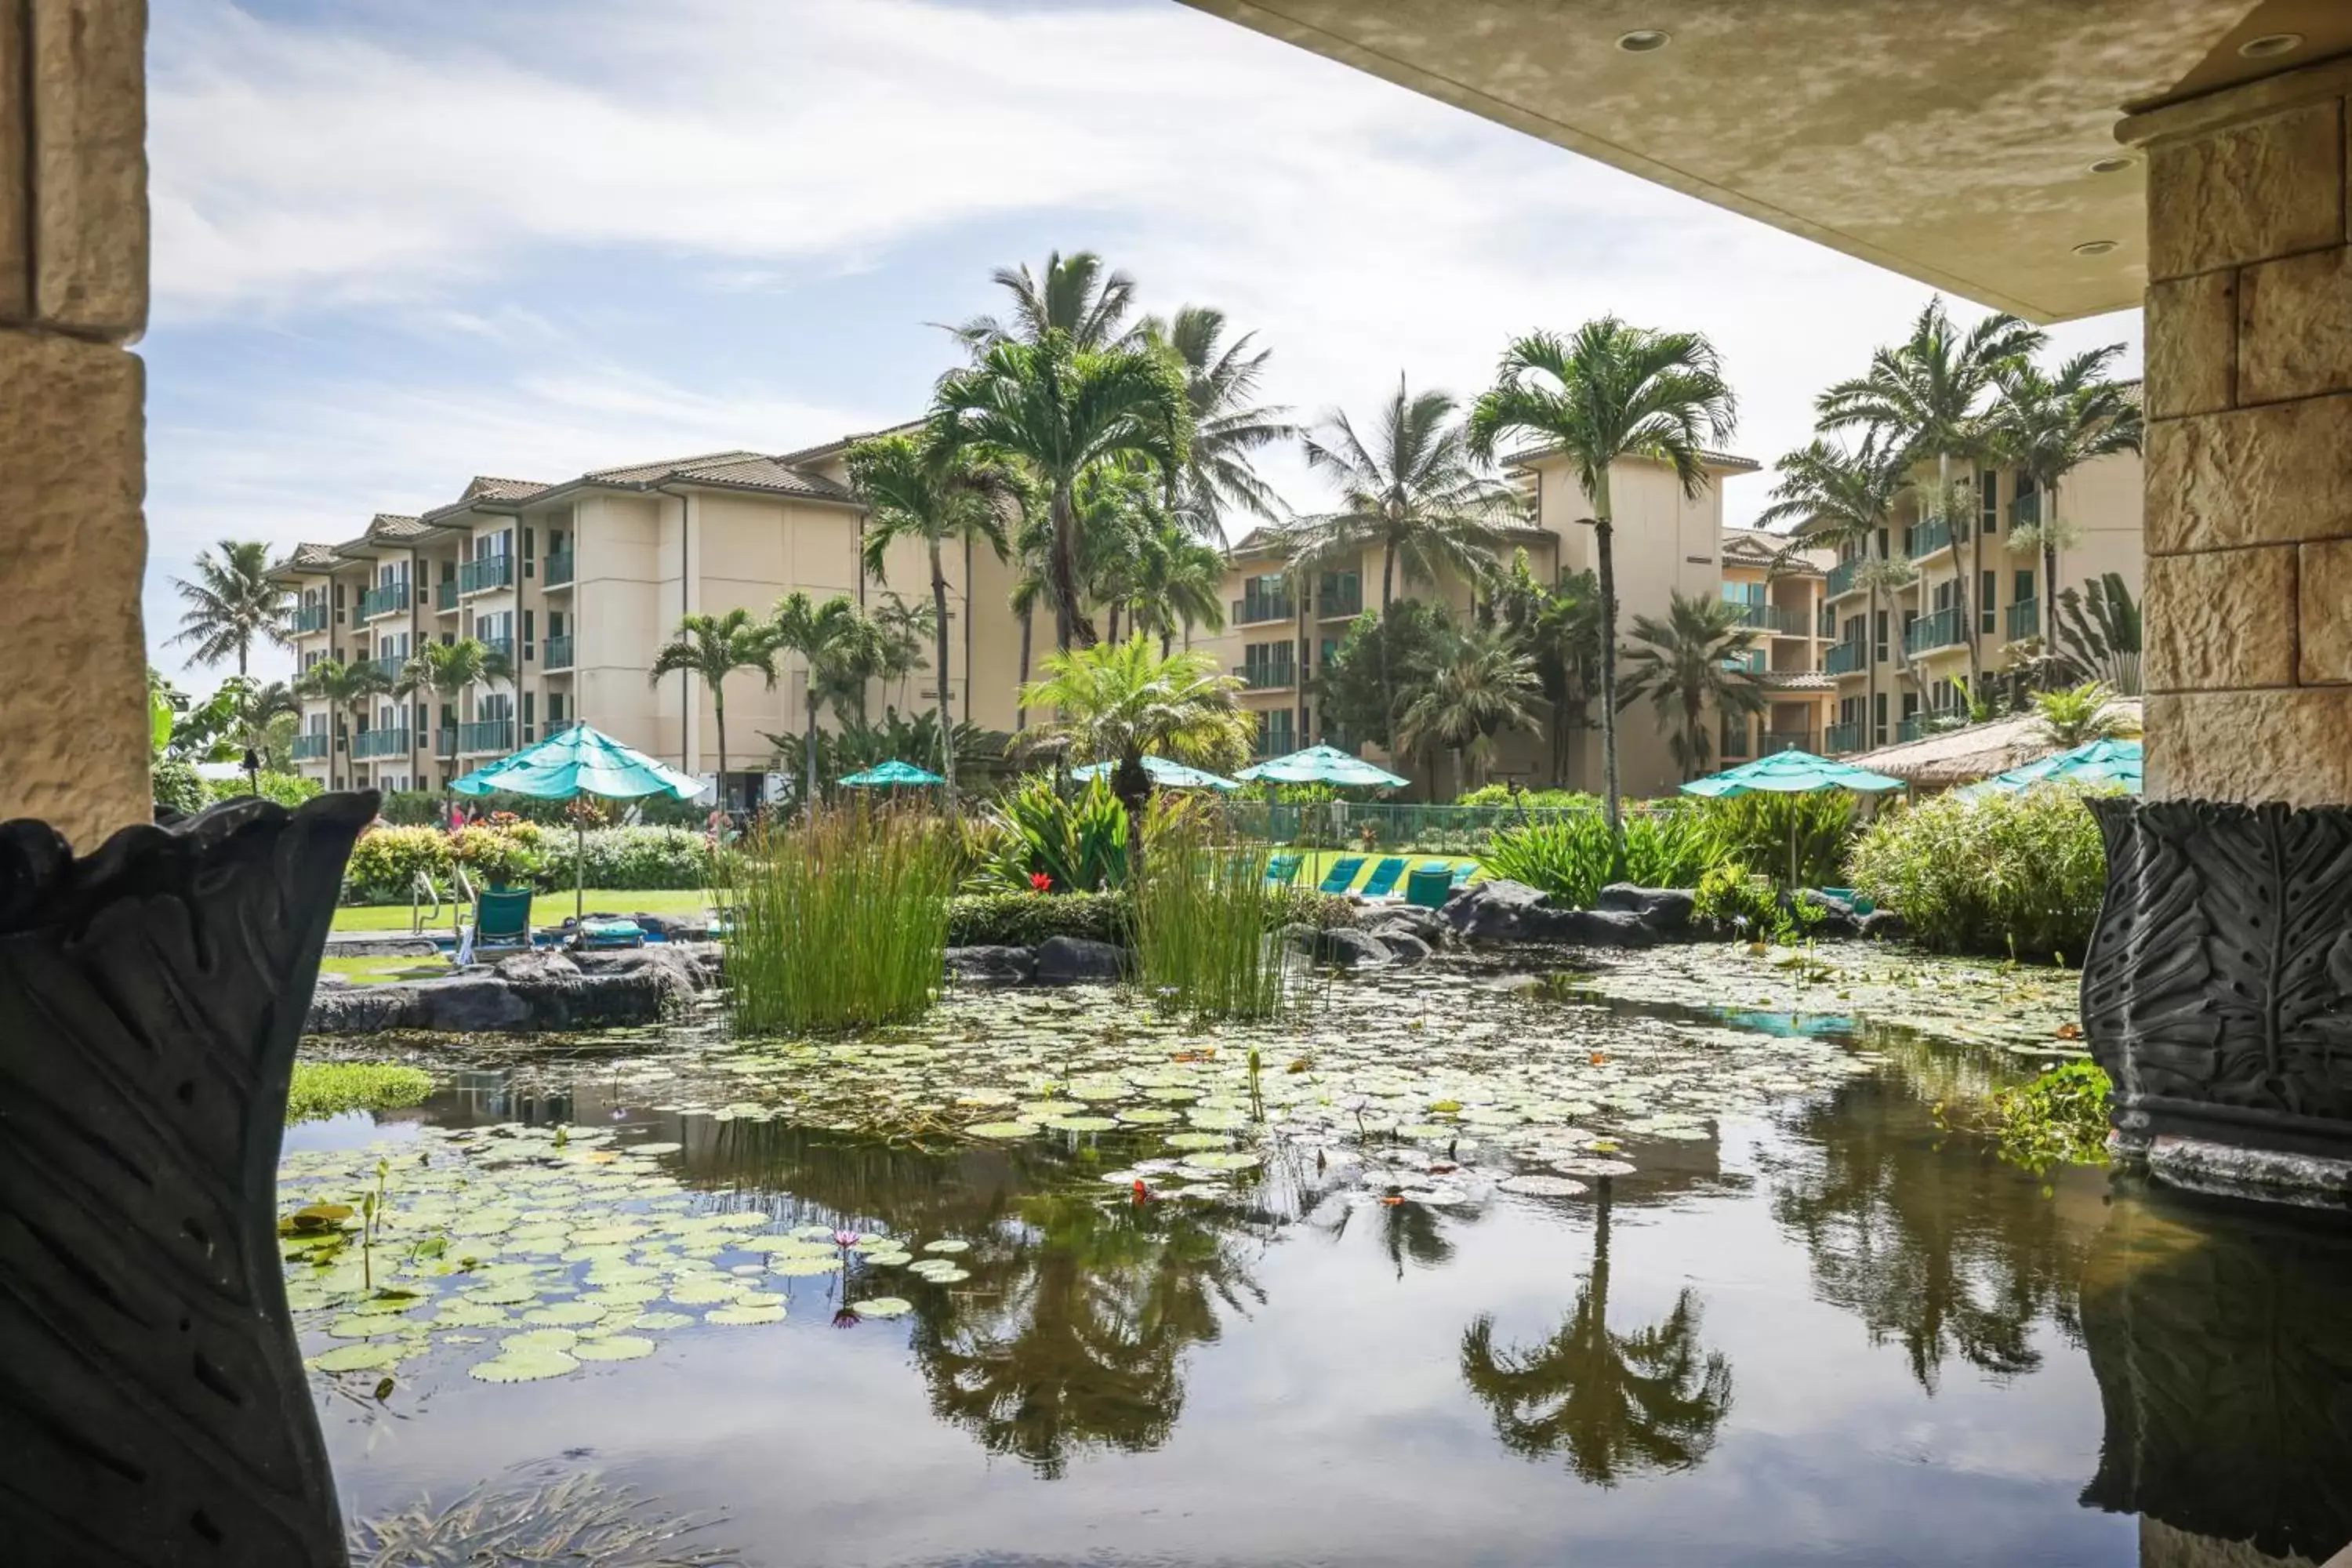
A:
(1791, 772)
(580, 760)
(884, 776)
(1323, 765)
(2108, 761)
(1165, 774)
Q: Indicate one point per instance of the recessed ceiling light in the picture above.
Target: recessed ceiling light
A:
(2094, 247)
(2270, 43)
(1648, 40)
(2115, 165)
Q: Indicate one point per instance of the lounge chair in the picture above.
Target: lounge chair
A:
(1382, 882)
(610, 931)
(1283, 870)
(1342, 874)
(501, 922)
(1464, 871)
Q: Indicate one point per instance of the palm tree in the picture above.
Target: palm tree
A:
(1121, 701)
(232, 604)
(1061, 409)
(924, 489)
(1927, 395)
(2047, 426)
(1609, 393)
(1220, 380)
(341, 685)
(1073, 296)
(1845, 498)
(260, 701)
(1560, 628)
(2077, 715)
(446, 670)
(1621, 1404)
(1417, 492)
(819, 633)
(1174, 582)
(714, 647)
(1485, 685)
(1687, 664)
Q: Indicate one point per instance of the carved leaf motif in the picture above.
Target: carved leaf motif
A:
(152, 1404)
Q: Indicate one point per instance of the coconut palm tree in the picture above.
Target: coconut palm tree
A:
(1176, 582)
(232, 604)
(1619, 1405)
(1221, 380)
(446, 670)
(1560, 628)
(820, 634)
(1605, 394)
(1073, 296)
(341, 685)
(1061, 410)
(257, 703)
(1927, 395)
(1845, 498)
(1118, 703)
(1687, 664)
(1485, 684)
(1416, 492)
(921, 487)
(2046, 426)
(714, 647)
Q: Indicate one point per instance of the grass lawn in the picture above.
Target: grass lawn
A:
(383, 971)
(1318, 864)
(546, 910)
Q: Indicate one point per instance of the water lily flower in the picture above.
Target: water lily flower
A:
(846, 1239)
(846, 1318)
(1040, 882)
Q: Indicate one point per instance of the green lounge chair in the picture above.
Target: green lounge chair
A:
(1463, 872)
(1342, 874)
(1283, 870)
(501, 920)
(612, 932)
(1382, 882)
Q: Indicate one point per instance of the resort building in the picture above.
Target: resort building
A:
(575, 584)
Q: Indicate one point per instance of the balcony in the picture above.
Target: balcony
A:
(558, 653)
(1771, 618)
(1940, 629)
(383, 741)
(499, 647)
(1267, 677)
(444, 595)
(1841, 576)
(311, 748)
(485, 735)
(1339, 596)
(1846, 659)
(1925, 539)
(388, 667)
(2024, 620)
(444, 741)
(383, 601)
(1253, 608)
(1775, 741)
(489, 572)
(304, 619)
(2025, 508)
(1913, 726)
(1839, 738)
(557, 573)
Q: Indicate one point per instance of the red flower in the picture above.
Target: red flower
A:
(1039, 882)
(1143, 1193)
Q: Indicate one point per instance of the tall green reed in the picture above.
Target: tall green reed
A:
(838, 922)
(1201, 917)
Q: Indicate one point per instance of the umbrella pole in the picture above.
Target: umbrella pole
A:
(578, 875)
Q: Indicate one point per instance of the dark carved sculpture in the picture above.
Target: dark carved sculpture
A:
(2218, 989)
(153, 1408)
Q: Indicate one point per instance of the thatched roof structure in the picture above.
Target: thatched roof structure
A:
(1963, 756)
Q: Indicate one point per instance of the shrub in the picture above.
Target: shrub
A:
(1305, 906)
(500, 855)
(329, 1088)
(177, 787)
(1756, 828)
(1024, 919)
(1202, 916)
(2021, 874)
(385, 861)
(289, 790)
(425, 808)
(1078, 839)
(2061, 1118)
(1572, 858)
(1732, 897)
(636, 858)
(1503, 795)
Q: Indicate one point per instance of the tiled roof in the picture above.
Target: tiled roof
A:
(738, 469)
(1797, 681)
(486, 488)
(391, 525)
(307, 557)
(1730, 461)
(842, 443)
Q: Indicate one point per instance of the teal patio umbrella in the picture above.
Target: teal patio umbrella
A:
(889, 775)
(2108, 761)
(579, 760)
(1167, 774)
(1323, 765)
(1791, 772)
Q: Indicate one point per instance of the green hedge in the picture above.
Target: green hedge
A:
(385, 861)
(424, 807)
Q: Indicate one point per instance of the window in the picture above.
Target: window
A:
(526, 627)
(1882, 544)
(1878, 719)
(1987, 592)
(2027, 507)
(1989, 502)
(554, 710)
(526, 715)
(1878, 654)
(1944, 594)
(527, 544)
(1910, 703)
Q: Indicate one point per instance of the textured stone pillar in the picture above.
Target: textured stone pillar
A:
(73, 292)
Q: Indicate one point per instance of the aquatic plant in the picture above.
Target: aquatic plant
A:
(2021, 874)
(2059, 1119)
(330, 1088)
(839, 921)
(1572, 857)
(1201, 917)
(579, 1520)
(1076, 837)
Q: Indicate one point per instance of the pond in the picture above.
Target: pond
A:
(1671, 1262)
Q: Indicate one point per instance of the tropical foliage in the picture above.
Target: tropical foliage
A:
(1573, 856)
(2016, 874)
(714, 647)
(1483, 685)
(2046, 426)
(2077, 715)
(2099, 633)
(231, 603)
(1691, 665)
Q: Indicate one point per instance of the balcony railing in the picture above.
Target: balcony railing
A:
(1735, 742)
(1940, 629)
(1252, 608)
(559, 652)
(1839, 738)
(444, 741)
(1787, 740)
(486, 735)
(2024, 619)
(1846, 659)
(444, 595)
(307, 618)
(557, 573)
(1771, 618)
(1923, 540)
(2026, 509)
(1267, 677)
(1842, 577)
(489, 572)
(383, 601)
(1914, 726)
(311, 748)
(1339, 599)
(381, 742)
(388, 666)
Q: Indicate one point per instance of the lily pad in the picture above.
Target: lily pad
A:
(615, 1347)
(523, 1366)
(744, 1316)
(882, 1307)
(1534, 1184)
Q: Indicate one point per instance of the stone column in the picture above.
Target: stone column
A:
(73, 292)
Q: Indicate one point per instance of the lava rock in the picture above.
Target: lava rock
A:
(1348, 949)
(1828, 917)
(1667, 910)
(1883, 925)
(1404, 947)
(1074, 961)
(1507, 911)
(1425, 923)
(992, 965)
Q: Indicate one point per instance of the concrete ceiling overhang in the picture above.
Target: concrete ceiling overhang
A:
(1952, 142)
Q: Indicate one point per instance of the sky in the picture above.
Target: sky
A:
(399, 243)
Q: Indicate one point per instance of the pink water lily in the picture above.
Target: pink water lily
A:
(846, 1239)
